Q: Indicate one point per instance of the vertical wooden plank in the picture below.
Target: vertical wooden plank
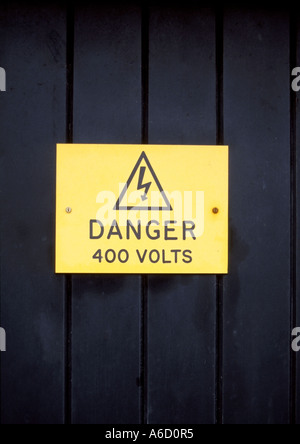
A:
(106, 310)
(32, 121)
(181, 324)
(257, 290)
(296, 167)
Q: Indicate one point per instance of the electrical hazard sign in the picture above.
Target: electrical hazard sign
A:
(144, 187)
(142, 209)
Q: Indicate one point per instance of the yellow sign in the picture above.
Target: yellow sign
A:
(142, 209)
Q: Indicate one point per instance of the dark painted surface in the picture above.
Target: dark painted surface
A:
(181, 324)
(296, 221)
(149, 349)
(32, 119)
(257, 291)
(106, 310)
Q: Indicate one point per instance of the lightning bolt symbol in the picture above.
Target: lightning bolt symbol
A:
(142, 186)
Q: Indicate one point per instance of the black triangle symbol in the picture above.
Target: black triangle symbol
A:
(118, 205)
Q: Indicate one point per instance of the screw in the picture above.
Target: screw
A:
(215, 210)
(68, 210)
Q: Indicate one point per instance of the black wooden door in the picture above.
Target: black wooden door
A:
(159, 349)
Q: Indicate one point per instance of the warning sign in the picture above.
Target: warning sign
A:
(142, 209)
(143, 186)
